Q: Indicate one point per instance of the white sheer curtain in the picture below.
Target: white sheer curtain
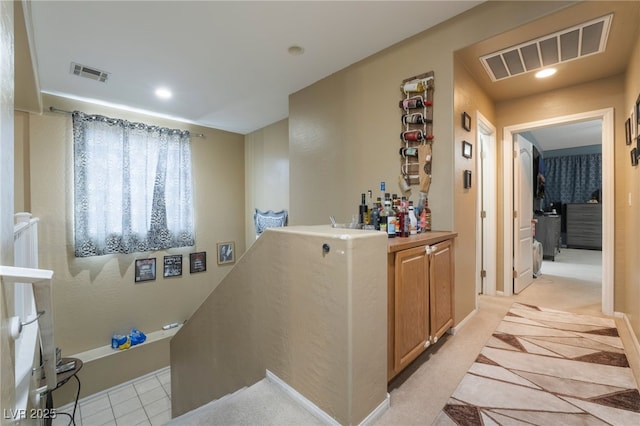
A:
(133, 190)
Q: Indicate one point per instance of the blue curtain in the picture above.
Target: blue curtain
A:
(572, 178)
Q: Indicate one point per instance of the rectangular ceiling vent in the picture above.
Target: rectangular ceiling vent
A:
(573, 43)
(89, 72)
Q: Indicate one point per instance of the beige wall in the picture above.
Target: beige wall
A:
(266, 167)
(628, 185)
(600, 94)
(96, 296)
(316, 320)
(469, 98)
(344, 130)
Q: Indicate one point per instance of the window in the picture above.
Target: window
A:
(133, 190)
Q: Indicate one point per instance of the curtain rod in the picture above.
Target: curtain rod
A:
(62, 111)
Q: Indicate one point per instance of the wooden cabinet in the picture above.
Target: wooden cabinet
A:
(420, 296)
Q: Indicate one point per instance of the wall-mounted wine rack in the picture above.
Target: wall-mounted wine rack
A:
(417, 131)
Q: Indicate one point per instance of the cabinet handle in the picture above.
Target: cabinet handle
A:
(435, 339)
(427, 249)
(427, 343)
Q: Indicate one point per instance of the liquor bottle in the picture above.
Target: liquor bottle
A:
(427, 216)
(411, 103)
(404, 221)
(384, 217)
(413, 86)
(413, 221)
(408, 152)
(375, 215)
(391, 219)
(363, 210)
(412, 136)
(415, 118)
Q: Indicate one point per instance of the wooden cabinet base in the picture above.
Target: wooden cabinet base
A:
(420, 296)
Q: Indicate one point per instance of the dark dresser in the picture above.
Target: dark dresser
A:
(548, 233)
(584, 226)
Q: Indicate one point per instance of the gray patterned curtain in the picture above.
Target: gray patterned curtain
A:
(133, 190)
(572, 178)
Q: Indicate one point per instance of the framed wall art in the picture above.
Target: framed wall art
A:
(226, 252)
(172, 265)
(627, 131)
(198, 262)
(145, 269)
(467, 149)
(466, 121)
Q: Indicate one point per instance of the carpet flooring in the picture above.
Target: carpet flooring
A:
(544, 366)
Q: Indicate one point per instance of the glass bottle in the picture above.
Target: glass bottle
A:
(413, 221)
(384, 215)
(375, 214)
(391, 219)
(363, 210)
(427, 216)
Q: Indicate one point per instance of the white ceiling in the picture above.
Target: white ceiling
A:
(566, 135)
(225, 61)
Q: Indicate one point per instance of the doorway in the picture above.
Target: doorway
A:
(606, 115)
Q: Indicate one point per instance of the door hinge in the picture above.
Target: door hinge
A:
(483, 214)
(483, 274)
(515, 153)
(515, 274)
(515, 214)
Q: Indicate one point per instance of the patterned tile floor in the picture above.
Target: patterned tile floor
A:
(143, 401)
(543, 366)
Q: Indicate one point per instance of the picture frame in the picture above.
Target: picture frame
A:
(172, 266)
(466, 121)
(634, 157)
(627, 131)
(197, 262)
(467, 179)
(467, 149)
(226, 252)
(637, 120)
(145, 270)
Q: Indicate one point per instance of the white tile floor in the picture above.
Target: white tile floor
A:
(143, 401)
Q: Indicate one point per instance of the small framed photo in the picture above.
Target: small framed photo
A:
(172, 265)
(466, 121)
(467, 179)
(226, 252)
(467, 149)
(627, 131)
(198, 262)
(145, 269)
(634, 157)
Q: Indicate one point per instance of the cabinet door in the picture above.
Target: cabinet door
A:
(411, 305)
(441, 286)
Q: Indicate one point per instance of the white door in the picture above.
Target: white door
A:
(487, 230)
(523, 213)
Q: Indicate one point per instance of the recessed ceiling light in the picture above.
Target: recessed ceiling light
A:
(547, 72)
(163, 93)
(295, 50)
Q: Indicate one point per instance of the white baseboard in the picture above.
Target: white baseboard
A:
(462, 323)
(317, 411)
(634, 339)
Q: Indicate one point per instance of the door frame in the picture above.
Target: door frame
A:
(487, 129)
(608, 217)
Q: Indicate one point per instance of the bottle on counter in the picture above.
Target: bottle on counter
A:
(363, 210)
(375, 214)
(384, 216)
(413, 220)
(404, 221)
(391, 219)
(427, 216)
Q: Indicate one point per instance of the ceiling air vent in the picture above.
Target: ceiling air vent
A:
(88, 72)
(572, 43)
